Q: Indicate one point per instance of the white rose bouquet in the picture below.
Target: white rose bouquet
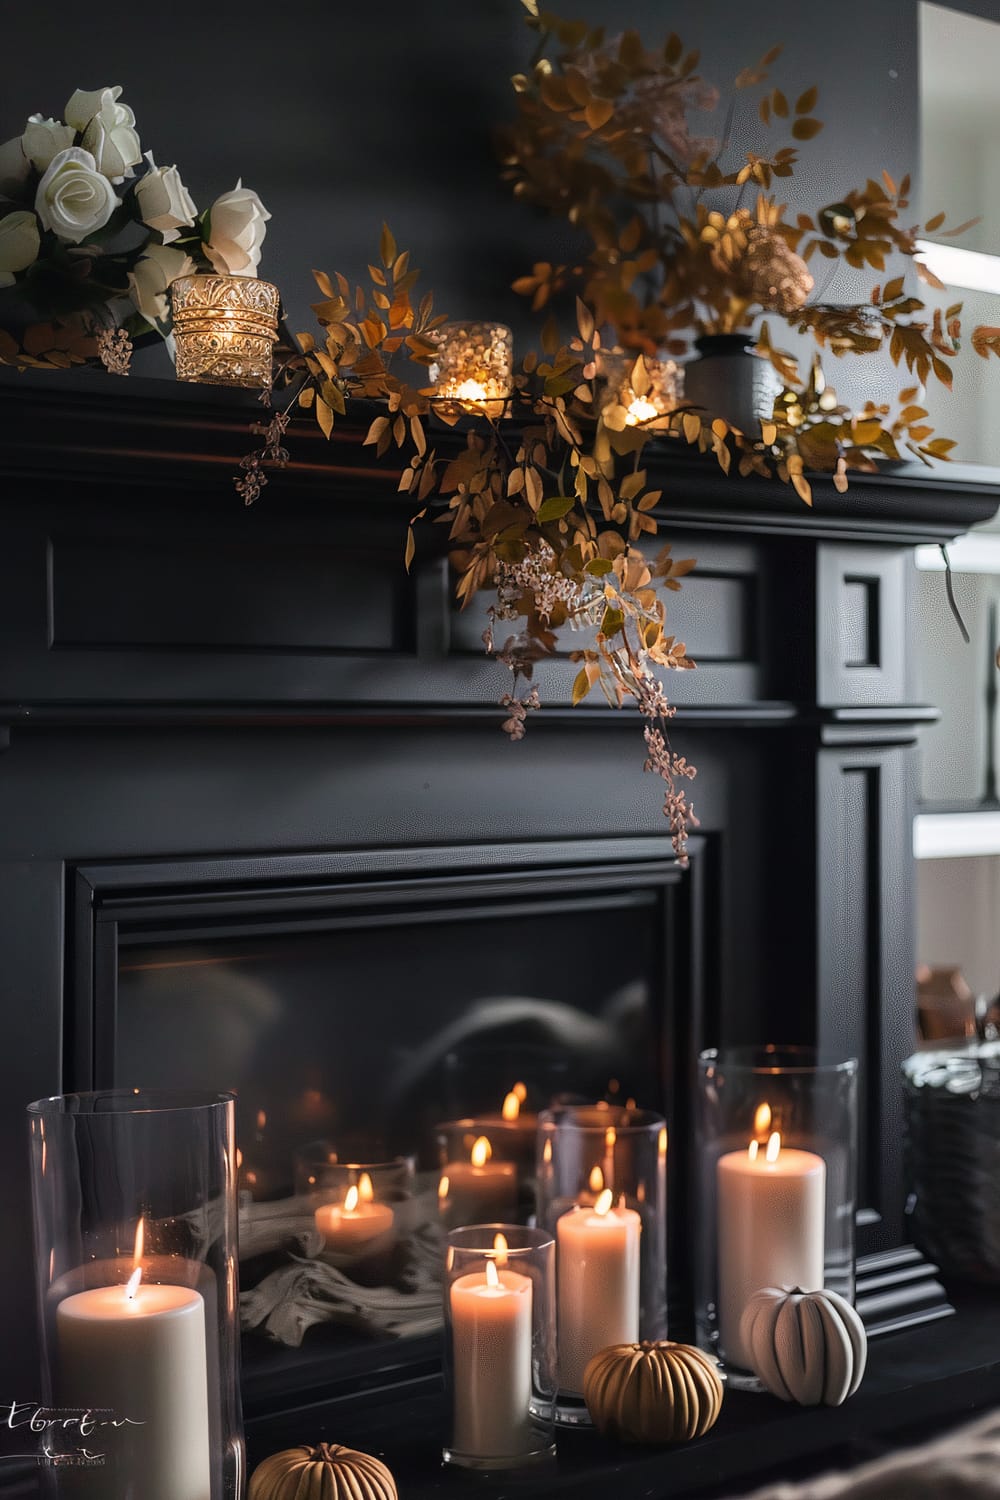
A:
(92, 233)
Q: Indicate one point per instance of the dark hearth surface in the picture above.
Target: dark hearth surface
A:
(918, 1384)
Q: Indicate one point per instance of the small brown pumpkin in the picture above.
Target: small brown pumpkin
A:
(652, 1393)
(326, 1472)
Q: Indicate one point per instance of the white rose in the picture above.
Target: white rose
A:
(152, 274)
(73, 197)
(164, 202)
(14, 168)
(19, 244)
(44, 139)
(237, 226)
(111, 138)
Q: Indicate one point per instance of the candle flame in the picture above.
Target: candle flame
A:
(511, 1106)
(596, 1180)
(762, 1120)
(521, 1090)
(365, 1190)
(640, 410)
(661, 1141)
(351, 1200)
(140, 1241)
(547, 1151)
(481, 1151)
(773, 1147)
(500, 1249)
(492, 1275)
(610, 1137)
(261, 1119)
(133, 1284)
(604, 1202)
(470, 390)
(752, 1150)
(443, 1187)
(312, 1182)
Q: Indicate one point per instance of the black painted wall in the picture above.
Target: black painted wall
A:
(340, 115)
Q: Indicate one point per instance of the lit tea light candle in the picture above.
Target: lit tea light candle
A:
(491, 1346)
(353, 1225)
(139, 1350)
(640, 392)
(771, 1229)
(598, 1283)
(639, 410)
(474, 368)
(479, 1191)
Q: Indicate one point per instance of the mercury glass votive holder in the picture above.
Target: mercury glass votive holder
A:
(500, 1346)
(224, 329)
(135, 1220)
(776, 1167)
(601, 1174)
(647, 410)
(473, 369)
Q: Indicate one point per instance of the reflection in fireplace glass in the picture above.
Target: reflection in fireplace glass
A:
(350, 1046)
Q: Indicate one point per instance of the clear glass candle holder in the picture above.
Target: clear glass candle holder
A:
(135, 1219)
(484, 1169)
(645, 389)
(500, 1345)
(601, 1175)
(473, 369)
(777, 1162)
(321, 1167)
(224, 329)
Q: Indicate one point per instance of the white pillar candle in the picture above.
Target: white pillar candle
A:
(771, 1232)
(491, 1348)
(357, 1222)
(598, 1284)
(141, 1352)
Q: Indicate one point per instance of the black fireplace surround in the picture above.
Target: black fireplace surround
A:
(234, 736)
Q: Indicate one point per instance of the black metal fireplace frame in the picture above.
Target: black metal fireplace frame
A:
(117, 904)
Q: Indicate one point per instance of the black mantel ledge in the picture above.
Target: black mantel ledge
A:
(179, 437)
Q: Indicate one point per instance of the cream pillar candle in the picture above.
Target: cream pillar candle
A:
(491, 1349)
(140, 1350)
(771, 1230)
(597, 1283)
(353, 1225)
(479, 1191)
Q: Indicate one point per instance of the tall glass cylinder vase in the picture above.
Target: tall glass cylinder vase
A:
(135, 1219)
(777, 1153)
(602, 1191)
(500, 1346)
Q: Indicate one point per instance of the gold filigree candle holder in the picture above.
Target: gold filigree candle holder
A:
(645, 389)
(225, 328)
(473, 371)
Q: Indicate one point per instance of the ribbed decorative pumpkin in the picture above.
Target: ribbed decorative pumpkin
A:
(652, 1393)
(809, 1347)
(327, 1472)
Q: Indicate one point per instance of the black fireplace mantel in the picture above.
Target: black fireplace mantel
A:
(188, 684)
(181, 437)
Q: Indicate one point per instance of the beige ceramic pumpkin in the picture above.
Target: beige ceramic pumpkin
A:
(326, 1472)
(652, 1393)
(808, 1347)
